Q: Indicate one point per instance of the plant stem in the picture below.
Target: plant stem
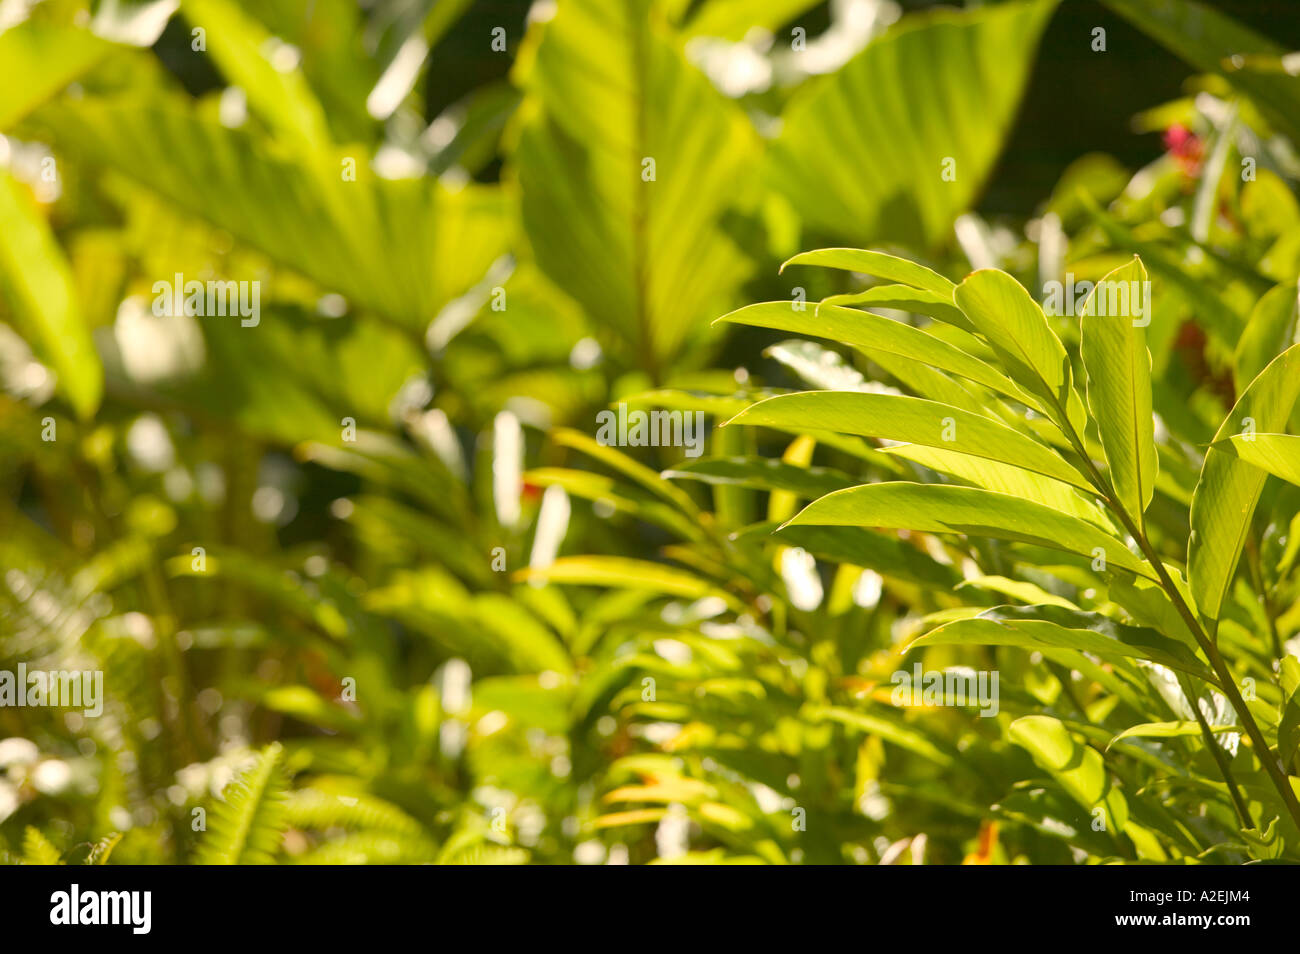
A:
(1227, 683)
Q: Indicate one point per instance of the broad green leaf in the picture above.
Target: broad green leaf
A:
(1002, 311)
(36, 282)
(1273, 327)
(1167, 730)
(934, 508)
(874, 334)
(621, 462)
(884, 553)
(879, 264)
(240, 46)
(916, 420)
(1225, 496)
(761, 473)
(403, 248)
(869, 165)
(37, 59)
(609, 95)
(1288, 727)
(889, 728)
(904, 298)
(1056, 627)
(1004, 479)
(733, 19)
(1078, 768)
(1279, 454)
(1114, 350)
(628, 573)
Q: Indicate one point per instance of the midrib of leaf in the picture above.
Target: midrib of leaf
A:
(640, 202)
(257, 784)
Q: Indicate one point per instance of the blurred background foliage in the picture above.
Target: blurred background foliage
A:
(362, 583)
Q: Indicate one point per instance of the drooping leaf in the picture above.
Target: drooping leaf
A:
(873, 334)
(934, 508)
(868, 164)
(763, 474)
(1288, 727)
(1077, 767)
(1229, 487)
(1056, 627)
(1273, 327)
(37, 284)
(1279, 454)
(1166, 730)
(1114, 350)
(403, 248)
(879, 264)
(916, 420)
(1004, 479)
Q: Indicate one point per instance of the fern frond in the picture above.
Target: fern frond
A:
(100, 851)
(319, 809)
(370, 848)
(38, 850)
(247, 824)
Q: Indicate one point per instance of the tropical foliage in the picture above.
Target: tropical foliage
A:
(367, 580)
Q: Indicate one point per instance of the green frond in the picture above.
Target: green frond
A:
(100, 851)
(320, 809)
(245, 827)
(38, 850)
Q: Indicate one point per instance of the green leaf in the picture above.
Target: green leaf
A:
(239, 45)
(37, 59)
(1056, 627)
(871, 167)
(245, 827)
(885, 554)
(888, 728)
(916, 420)
(1013, 323)
(37, 282)
(1225, 496)
(933, 508)
(628, 574)
(1167, 730)
(874, 334)
(1078, 768)
(763, 474)
(1288, 727)
(38, 850)
(1273, 327)
(1115, 356)
(607, 94)
(1004, 479)
(916, 300)
(1279, 454)
(879, 264)
(403, 248)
